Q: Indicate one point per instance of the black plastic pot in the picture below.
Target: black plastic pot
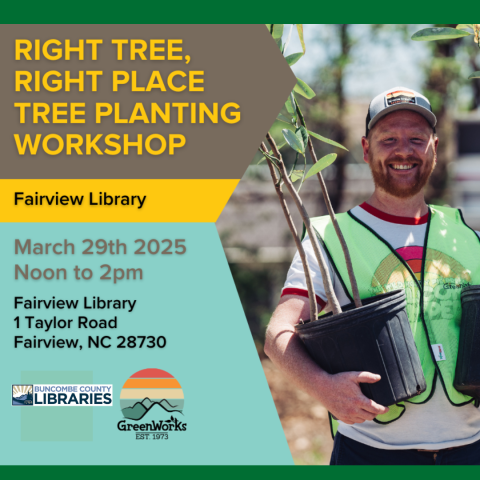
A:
(467, 371)
(375, 338)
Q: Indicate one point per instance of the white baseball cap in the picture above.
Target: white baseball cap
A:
(399, 98)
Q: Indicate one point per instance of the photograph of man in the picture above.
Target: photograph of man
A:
(436, 250)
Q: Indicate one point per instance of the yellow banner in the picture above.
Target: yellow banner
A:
(113, 200)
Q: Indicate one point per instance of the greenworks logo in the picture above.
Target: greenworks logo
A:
(152, 393)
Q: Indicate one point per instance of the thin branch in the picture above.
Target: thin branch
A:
(327, 281)
(326, 197)
(288, 40)
(304, 173)
(301, 251)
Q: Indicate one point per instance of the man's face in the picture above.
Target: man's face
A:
(401, 151)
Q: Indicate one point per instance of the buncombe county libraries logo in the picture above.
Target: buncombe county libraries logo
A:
(400, 96)
(154, 397)
(62, 395)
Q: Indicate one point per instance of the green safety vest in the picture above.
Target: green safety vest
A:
(432, 284)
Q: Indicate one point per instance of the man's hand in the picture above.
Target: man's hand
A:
(342, 397)
(339, 393)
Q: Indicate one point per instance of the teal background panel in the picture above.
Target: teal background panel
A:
(191, 300)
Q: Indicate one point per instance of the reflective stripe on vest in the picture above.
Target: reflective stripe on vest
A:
(432, 283)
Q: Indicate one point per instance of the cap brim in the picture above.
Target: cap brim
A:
(427, 114)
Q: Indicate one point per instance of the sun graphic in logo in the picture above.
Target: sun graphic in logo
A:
(437, 266)
(148, 388)
(22, 395)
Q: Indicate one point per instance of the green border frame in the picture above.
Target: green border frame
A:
(246, 11)
(401, 472)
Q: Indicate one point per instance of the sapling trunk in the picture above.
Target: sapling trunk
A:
(301, 251)
(327, 281)
(341, 238)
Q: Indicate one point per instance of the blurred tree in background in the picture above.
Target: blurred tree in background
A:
(442, 78)
(326, 112)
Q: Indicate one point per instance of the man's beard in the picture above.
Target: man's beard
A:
(387, 182)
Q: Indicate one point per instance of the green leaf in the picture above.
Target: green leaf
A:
(474, 75)
(464, 26)
(294, 58)
(283, 118)
(296, 175)
(277, 31)
(293, 141)
(326, 140)
(290, 106)
(324, 162)
(303, 89)
(269, 26)
(300, 35)
(302, 134)
(439, 33)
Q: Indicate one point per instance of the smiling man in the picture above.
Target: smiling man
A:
(396, 240)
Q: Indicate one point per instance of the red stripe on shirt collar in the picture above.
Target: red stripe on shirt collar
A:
(394, 218)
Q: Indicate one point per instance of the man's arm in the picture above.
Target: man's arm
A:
(340, 394)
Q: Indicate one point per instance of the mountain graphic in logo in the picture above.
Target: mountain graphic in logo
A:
(140, 409)
(147, 389)
(22, 395)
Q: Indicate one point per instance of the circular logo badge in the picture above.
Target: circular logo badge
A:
(149, 389)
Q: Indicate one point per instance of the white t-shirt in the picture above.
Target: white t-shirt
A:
(434, 425)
